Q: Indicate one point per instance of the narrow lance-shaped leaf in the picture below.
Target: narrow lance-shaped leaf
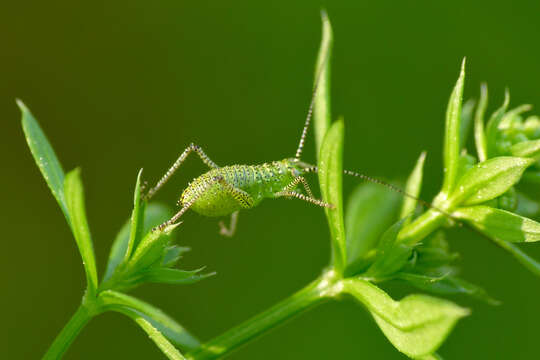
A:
(330, 179)
(492, 129)
(452, 143)
(465, 124)
(151, 249)
(172, 255)
(500, 223)
(371, 209)
(510, 116)
(73, 190)
(391, 255)
(479, 132)
(489, 179)
(413, 188)
(172, 276)
(321, 112)
(44, 157)
(155, 214)
(179, 336)
(416, 325)
(528, 149)
(137, 219)
(446, 285)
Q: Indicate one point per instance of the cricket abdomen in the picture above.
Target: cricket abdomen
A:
(257, 181)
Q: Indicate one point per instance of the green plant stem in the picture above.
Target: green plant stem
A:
(70, 331)
(309, 296)
(161, 342)
(422, 226)
(128, 305)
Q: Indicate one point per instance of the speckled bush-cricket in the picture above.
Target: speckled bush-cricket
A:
(226, 190)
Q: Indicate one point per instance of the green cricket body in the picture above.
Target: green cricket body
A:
(257, 181)
(226, 190)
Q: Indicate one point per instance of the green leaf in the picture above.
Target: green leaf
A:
(500, 223)
(413, 188)
(321, 111)
(172, 255)
(489, 179)
(452, 144)
(433, 356)
(466, 118)
(330, 179)
(154, 215)
(371, 209)
(151, 250)
(172, 276)
(528, 149)
(511, 117)
(447, 285)
(391, 256)
(417, 325)
(479, 132)
(492, 130)
(179, 336)
(137, 216)
(44, 157)
(73, 190)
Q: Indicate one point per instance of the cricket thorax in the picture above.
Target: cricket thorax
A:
(214, 198)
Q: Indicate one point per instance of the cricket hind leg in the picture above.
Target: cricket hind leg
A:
(294, 194)
(288, 191)
(229, 231)
(192, 147)
(187, 205)
(243, 198)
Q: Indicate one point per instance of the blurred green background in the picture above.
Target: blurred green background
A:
(128, 84)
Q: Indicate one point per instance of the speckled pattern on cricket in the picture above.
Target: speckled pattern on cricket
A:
(251, 182)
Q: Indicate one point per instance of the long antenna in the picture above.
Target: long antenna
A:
(394, 188)
(312, 103)
(314, 169)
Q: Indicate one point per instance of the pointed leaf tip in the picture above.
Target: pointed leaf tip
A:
(171, 227)
(452, 141)
(44, 156)
(413, 187)
(21, 105)
(489, 179)
(322, 107)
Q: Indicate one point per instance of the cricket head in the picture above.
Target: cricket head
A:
(297, 167)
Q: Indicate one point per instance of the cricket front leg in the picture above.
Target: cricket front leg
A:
(191, 148)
